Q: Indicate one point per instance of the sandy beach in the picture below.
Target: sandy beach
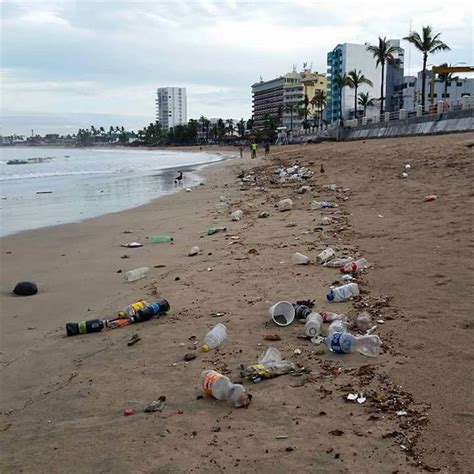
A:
(63, 398)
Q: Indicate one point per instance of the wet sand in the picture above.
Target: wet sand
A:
(63, 398)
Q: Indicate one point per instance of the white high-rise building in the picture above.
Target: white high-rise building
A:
(171, 109)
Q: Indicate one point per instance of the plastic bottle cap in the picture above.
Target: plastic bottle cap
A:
(330, 296)
(205, 348)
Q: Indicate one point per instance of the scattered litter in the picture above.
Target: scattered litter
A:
(380, 215)
(345, 343)
(189, 356)
(237, 215)
(297, 352)
(291, 224)
(407, 166)
(402, 413)
(155, 405)
(264, 214)
(161, 239)
(44, 192)
(325, 255)
(215, 230)
(356, 266)
(282, 313)
(380, 321)
(193, 251)
(363, 321)
(322, 205)
(325, 221)
(338, 262)
(214, 337)
(299, 259)
(431, 197)
(133, 339)
(403, 175)
(304, 189)
(129, 412)
(281, 437)
(188, 190)
(270, 364)
(137, 274)
(132, 245)
(285, 205)
(220, 387)
(217, 315)
(25, 288)
(343, 293)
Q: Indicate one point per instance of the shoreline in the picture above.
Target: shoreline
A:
(60, 393)
(194, 168)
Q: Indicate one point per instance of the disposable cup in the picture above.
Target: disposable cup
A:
(325, 255)
(282, 313)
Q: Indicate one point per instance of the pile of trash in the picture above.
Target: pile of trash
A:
(294, 173)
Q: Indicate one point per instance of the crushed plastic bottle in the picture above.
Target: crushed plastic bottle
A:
(270, 364)
(220, 387)
(343, 293)
(237, 215)
(338, 262)
(137, 274)
(345, 343)
(325, 255)
(214, 337)
(322, 205)
(193, 251)
(338, 325)
(356, 266)
(363, 321)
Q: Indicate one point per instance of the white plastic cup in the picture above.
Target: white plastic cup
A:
(299, 259)
(282, 313)
(325, 255)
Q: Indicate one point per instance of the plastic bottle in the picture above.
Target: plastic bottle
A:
(338, 325)
(214, 337)
(355, 266)
(85, 327)
(215, 230)
(132, 309)
(338, 262)
(220, 387)
(136, 274)
(344, 343)
(161, 239)
(237, 215)
(325, 255)
(343, 293)
(363, 321)
(160, 307)
(312, 327)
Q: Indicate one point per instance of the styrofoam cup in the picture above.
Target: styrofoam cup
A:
(282, 310)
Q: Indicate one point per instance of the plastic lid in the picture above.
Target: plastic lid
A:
(330, 296)
(205, 348)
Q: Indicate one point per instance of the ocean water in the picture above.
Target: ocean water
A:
(75, 184)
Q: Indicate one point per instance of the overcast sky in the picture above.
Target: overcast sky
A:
(71, 63)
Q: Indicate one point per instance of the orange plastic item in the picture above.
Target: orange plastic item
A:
(430, 197)
(209, 380)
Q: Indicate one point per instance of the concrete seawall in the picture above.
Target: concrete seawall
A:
(449, 122)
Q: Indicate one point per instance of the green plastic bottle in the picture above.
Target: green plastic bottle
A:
(215, 230)
(161, 239)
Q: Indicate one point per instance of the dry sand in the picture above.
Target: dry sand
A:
(63, 398)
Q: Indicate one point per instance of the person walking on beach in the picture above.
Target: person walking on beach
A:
(253, 148)
(241, 150)
(267, 149)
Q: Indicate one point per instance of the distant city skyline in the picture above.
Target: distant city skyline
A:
(70, 64)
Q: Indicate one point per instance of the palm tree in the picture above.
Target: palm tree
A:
(445, 77)
(230, 126)
(356, 79)
(365, 101)
(319, 102)
(340, 82)
(383, 53)
(241, 127)
(427, 43)
(292, 108)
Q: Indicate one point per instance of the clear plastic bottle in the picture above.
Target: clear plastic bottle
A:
(220, 387)
(136, 274)
(338, 262)
(363, 321)
(345, 343)
(355, 266)
(312, 327)
(343, 293)
(338, 325)
(214, 337)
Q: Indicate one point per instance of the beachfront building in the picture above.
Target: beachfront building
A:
(171, 108)
(346, 57)
(284, 97)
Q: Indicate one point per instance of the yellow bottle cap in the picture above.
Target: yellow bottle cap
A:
(205, 348)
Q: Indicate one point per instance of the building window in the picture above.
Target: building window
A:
(448, 83)
(459, 84)
(447, 95)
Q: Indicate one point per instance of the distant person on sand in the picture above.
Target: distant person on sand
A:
(267, 149)
(253, 148)
(241, 150)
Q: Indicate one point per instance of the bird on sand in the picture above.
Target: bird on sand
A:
(322, 168)
(178, 178)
